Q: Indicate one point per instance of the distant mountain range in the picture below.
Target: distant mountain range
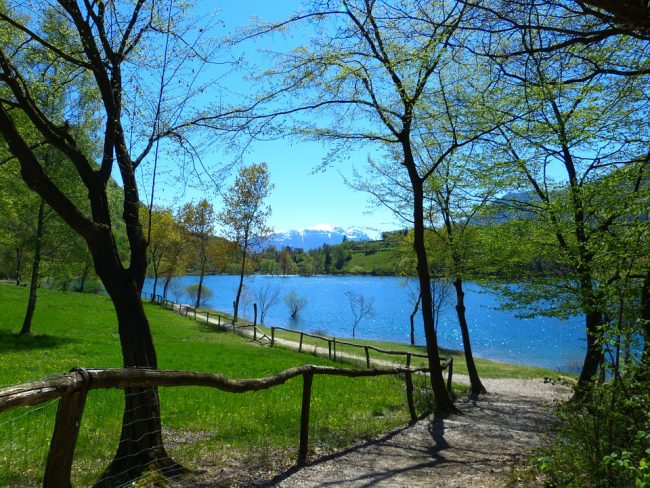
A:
(316, 236)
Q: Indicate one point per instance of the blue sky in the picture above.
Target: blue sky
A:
(301, 198)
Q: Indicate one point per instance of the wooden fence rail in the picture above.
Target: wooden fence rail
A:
(72, 390)
(447, 364)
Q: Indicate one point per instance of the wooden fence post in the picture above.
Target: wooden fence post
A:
(334, 341)
(272, 336)
(64, 438)
(254, 322)
(300, 346)
(408, 380)
(367, 357)
(207, 318)
(329, 349)
(304, 417)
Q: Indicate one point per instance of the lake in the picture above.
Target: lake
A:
(496, 334)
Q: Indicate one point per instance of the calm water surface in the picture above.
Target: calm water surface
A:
(541, 341)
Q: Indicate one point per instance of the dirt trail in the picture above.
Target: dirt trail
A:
(477, 449)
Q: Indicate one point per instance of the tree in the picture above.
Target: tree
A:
(193, 291)
(360, 306)
(569, 138)
(372, 70)
(198, 221)
(244, 217)
(166, 242)
(294, 303)
(285, 259)
(104, 41)
(266, 297)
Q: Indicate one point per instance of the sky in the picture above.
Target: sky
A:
(301, 197)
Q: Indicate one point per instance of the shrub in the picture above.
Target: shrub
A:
(604, 441)
(192, 291)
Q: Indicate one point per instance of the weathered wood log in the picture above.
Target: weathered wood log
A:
(64, 438)
(408, 380)
(304, 418)
(450, 372)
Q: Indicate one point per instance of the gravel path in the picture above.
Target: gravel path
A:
(478, 448)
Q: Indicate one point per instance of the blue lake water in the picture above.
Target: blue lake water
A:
(496, 334)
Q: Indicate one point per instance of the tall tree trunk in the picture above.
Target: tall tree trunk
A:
(202, 275)
(33, 287)
(155, 285)
(168, 279)
(239, 288)
(645, 317)
(444, 403)
(412, 318)
(475, 381)
(84, 277)
(141, 446)
(593, 355)
(19, 263)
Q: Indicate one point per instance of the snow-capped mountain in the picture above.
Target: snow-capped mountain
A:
(316, 236)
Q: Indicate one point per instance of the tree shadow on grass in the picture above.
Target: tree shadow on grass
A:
(11, 342)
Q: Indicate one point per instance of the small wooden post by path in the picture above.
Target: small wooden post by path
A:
(408, 380)
(254, 321)
(64, 438)
(334, 341)
(450, 368)
(272, 336)
(329, 349)
(367, 357)
(300, 345)
(304, 417)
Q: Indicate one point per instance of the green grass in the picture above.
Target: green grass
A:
(201, 425)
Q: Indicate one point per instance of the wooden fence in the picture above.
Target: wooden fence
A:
(186, 310)
(447, 364)
(72, 389)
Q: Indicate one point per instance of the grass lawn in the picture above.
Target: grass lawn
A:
(200, 425)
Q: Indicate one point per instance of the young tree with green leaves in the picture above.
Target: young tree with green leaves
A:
(131, 51)
(245, 215)
(569, 136)
(198, 221)
(370, 73)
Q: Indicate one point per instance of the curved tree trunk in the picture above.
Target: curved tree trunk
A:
(475, 381)
(444, 403)
(239, 288)
(141, 446)
(197, 304)
(645, 317)
(412, 318)
(593, 355)
(33, 287)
